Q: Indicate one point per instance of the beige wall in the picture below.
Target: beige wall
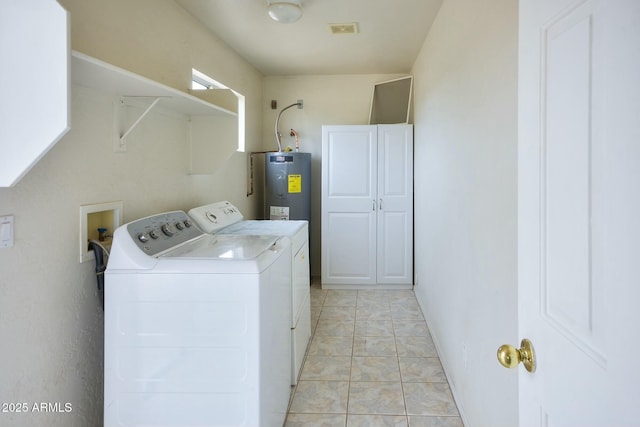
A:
(328, 100)
(465, 200)
(50, 320)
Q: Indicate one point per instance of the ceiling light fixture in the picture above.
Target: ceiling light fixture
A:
(284, 11)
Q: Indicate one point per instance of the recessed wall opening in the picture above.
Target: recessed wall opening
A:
(98, 222)
(202, 82)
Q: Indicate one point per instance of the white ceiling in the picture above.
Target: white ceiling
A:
(391, 32)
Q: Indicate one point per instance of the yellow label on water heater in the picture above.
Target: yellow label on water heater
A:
(295, 183)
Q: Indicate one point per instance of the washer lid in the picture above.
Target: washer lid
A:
(223, 247)
(265, 226)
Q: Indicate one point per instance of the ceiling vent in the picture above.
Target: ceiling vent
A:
(349, 28)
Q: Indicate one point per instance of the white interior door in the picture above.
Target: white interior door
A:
(579, 211)
(349, 173)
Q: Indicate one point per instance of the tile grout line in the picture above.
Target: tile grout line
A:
(359, 303)
(395, 341)
(353, 343)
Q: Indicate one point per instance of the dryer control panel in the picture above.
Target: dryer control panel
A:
(215, 216)
(158, 233)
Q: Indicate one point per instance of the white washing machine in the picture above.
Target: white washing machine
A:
(224, 218)
(196, 326)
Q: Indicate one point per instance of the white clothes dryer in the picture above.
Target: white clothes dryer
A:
(224, 218)
(196, 326)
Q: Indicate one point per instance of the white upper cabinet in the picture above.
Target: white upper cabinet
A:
(34, 83)
(35, 79)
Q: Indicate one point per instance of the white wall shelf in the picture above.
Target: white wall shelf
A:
(94, 73)
(126, 86)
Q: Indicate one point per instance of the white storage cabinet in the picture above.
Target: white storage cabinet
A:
(367, 206)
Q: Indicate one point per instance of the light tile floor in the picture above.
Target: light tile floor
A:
(371, 362)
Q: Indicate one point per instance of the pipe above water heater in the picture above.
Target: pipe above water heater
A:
(278, 136)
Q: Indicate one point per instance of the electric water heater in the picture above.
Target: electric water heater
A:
(287, 186)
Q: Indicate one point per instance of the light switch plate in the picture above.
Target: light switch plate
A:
(6, 231)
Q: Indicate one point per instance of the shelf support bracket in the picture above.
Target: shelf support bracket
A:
(142, 116)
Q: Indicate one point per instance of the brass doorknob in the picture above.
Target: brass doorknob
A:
(510, 357)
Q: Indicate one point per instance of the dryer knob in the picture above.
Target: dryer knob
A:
(211, 217)
(143, 238)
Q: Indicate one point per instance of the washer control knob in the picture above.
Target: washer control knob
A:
(187, 223)
(180, 225)
(168, 230)
(143, 238)
(154, 234)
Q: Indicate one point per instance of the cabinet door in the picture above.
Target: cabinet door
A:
(349, 205)
(34, 46)
(395, 204)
